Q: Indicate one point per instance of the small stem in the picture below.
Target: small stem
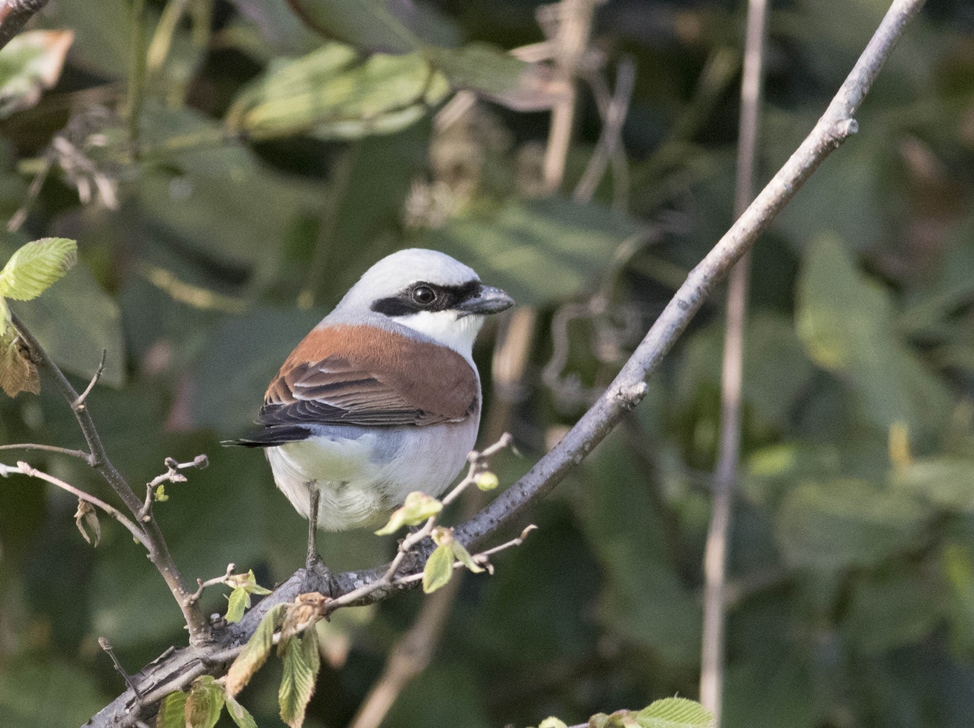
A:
(80, 454)
(107, 647)
(137, 533)
(80, 401)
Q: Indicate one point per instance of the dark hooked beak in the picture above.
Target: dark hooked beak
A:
(487, 300)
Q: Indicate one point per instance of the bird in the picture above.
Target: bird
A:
(382, 397)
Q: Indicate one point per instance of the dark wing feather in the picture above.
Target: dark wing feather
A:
(334, 392)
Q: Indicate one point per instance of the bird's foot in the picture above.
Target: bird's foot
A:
(317, 576)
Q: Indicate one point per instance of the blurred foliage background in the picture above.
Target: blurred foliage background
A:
(228, 190)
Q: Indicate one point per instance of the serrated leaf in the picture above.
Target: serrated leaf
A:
(301, 664)
(239, 714)
(36, 266)
(675, 713)
(332, 93)
(86, 519)
(204, 702)
(461, 554)
(417, 508)
(255, 652)
(172, 711)
(17, 372)
(30, 63)
(76, 321)
(237, 604)
(438, 569)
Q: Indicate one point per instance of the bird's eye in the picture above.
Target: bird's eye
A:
(424, 295)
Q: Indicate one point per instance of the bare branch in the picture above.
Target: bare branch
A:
(574, 23)
(732, 377)
(83, 397)
(609, 147)
(107, 647)
(154, 541)
(80, 454)
(137, 533)
(14, 15)
(195, 596)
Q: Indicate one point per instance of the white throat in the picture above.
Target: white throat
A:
(444, 327)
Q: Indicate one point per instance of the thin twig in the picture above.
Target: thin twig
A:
(14, 15)
(83, 397)
(172, 475)
(732, 377)
(155, 542)
(137, 533)
(613, 110)
(574, 22)
(195, 596)
(107, 647)
(80, 454)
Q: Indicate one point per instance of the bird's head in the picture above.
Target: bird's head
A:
(426, 291)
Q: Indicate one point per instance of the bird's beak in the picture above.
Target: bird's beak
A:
(488, 300)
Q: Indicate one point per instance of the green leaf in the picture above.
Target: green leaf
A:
(301, 664)
(243, 586)
(371, 25)
(846, 323)
(675, 713)
(438, 569)
(418, 508)
(75, 321)
(332, 93)
(204, 702)
(461, 554)
(237, 604)
(172, 711)
(30, 63)
(571, 243)
(255, 652)
(847, 522)
(497, 75)
(36, 266)
(239, 714)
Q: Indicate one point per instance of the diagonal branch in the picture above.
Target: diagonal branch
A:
(14, 15)
(629, 387)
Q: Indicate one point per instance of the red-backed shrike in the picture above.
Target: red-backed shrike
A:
(382, 397)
